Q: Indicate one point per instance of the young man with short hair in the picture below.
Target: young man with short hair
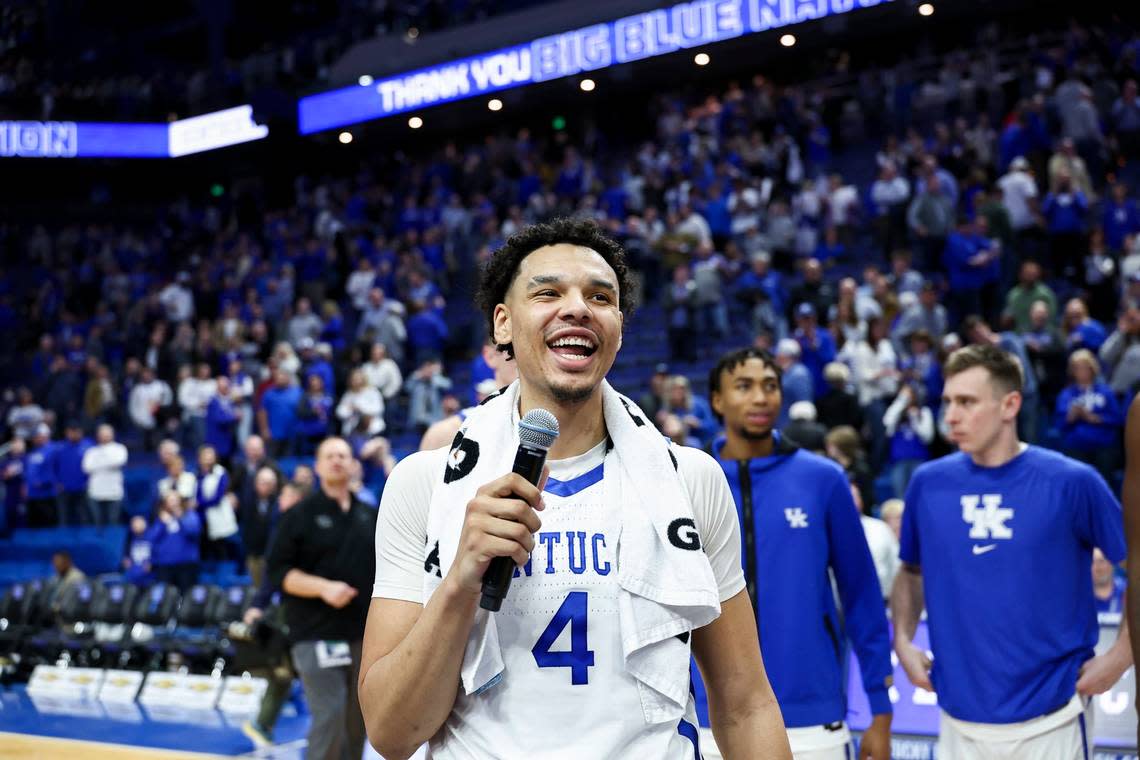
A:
(477, 684)
(997, 542)
(800, 528)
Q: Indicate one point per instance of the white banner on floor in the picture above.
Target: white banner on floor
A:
(187, 691)
(121, 686)
(74, 683)
(241, 695)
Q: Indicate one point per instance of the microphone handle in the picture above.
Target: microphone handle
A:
(497, 580)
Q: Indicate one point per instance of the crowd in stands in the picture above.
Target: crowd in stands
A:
(998, 204)
(256, 51)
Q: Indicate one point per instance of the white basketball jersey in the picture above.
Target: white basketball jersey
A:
(565, 692)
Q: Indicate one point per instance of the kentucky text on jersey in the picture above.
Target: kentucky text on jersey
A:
(569, 551)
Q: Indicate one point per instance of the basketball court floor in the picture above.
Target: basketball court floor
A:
(50, 729)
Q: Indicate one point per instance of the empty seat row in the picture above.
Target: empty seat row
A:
(119, 625)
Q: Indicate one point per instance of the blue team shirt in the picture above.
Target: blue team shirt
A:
(1005, 554)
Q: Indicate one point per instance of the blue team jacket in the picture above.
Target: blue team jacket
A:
(804, 521)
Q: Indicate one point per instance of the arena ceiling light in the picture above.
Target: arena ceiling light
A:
(788, 40)
(415, 122)
(701, 59)
(587, 85)
(345, 138)
(365, 80)
(926, 9)
(495, 104)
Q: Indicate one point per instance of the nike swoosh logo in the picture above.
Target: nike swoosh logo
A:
(983, 549)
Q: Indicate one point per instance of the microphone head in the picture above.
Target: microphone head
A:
(538, 428)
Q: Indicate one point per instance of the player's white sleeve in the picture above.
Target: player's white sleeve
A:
(401, 526)
(715, 514)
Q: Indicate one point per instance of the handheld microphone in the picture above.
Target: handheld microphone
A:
(537, 430)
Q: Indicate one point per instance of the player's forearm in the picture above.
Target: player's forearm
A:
(408, 693)
(906, 605)
(1121, 650)
(302, 584)
(755, 729)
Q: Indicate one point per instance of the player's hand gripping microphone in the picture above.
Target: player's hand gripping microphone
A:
(537, 431)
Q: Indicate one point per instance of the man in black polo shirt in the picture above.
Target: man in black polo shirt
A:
(322, 557)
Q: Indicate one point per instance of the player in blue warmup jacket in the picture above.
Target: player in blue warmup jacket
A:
(798, 521)
(997, 541)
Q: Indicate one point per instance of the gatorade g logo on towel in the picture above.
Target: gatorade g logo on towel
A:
(683, 534)
(461, 459)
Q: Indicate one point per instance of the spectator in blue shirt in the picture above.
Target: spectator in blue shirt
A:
(973, 262)
(830, 250)
(910, 426)
(796, 383)
(333, 332)
(1014, 141)
(317, 360)
(173, 538)
(68, 462)
(222, 418)
(1120, 219)
(314, 413)
(427, 332)
(1089, 416)
(277, 417)
(921, 366)
(1065, 211)
(680, 305)
(137, 561)
(762, 289)
(817, 346)
(1081, 330)
(40, 479)
(715, 211)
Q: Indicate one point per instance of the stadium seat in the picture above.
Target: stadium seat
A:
(111, 617)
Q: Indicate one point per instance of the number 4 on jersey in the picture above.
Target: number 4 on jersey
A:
(579, 658)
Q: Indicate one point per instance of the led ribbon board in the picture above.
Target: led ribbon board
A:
(71, 139)
(642, 35)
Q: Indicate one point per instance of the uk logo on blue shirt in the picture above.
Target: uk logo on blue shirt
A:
(796, 517)
(987, 520)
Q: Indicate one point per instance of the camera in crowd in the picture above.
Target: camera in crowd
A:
(261, 643)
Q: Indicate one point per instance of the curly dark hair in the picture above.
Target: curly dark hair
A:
(500, 271)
